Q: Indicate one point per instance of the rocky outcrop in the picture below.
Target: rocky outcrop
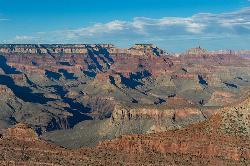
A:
(204, 143)
(138, 49)
(44, 49)
(21, 146)
(197, 51)
(210, 142)
(174, 117)
(20, 132)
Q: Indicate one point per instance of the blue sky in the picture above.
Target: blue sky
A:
(174, 25)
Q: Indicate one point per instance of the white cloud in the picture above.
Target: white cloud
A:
(96, 29)
(202, 23)
(23, 39)
(203, 26)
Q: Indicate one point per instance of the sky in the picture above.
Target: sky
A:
(174, 25)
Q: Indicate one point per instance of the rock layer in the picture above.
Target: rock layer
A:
(60, 90)
(204, 143)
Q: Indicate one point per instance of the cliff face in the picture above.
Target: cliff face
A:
(205, 143)
(52, 87)
(94, 93)
(222, 140)
(163, 118)
(138, 49)
(43, 49)
(197, 51)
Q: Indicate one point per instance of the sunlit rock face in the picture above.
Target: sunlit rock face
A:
(221, 140)
(197, 51)
(63, 90)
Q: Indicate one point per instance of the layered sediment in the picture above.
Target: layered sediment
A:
(60, 90)
(223, 139)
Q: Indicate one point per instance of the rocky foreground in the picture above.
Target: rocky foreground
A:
(224, 139)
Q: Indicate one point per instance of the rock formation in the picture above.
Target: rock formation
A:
(63, 90)
(197, 51)
(221, 140)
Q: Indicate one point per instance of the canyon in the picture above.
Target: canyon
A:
(95, 104)
(222, 140)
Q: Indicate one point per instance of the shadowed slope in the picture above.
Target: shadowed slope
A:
(205, 143)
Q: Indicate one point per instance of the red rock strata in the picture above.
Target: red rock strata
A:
(206, 143)
(202, 143)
